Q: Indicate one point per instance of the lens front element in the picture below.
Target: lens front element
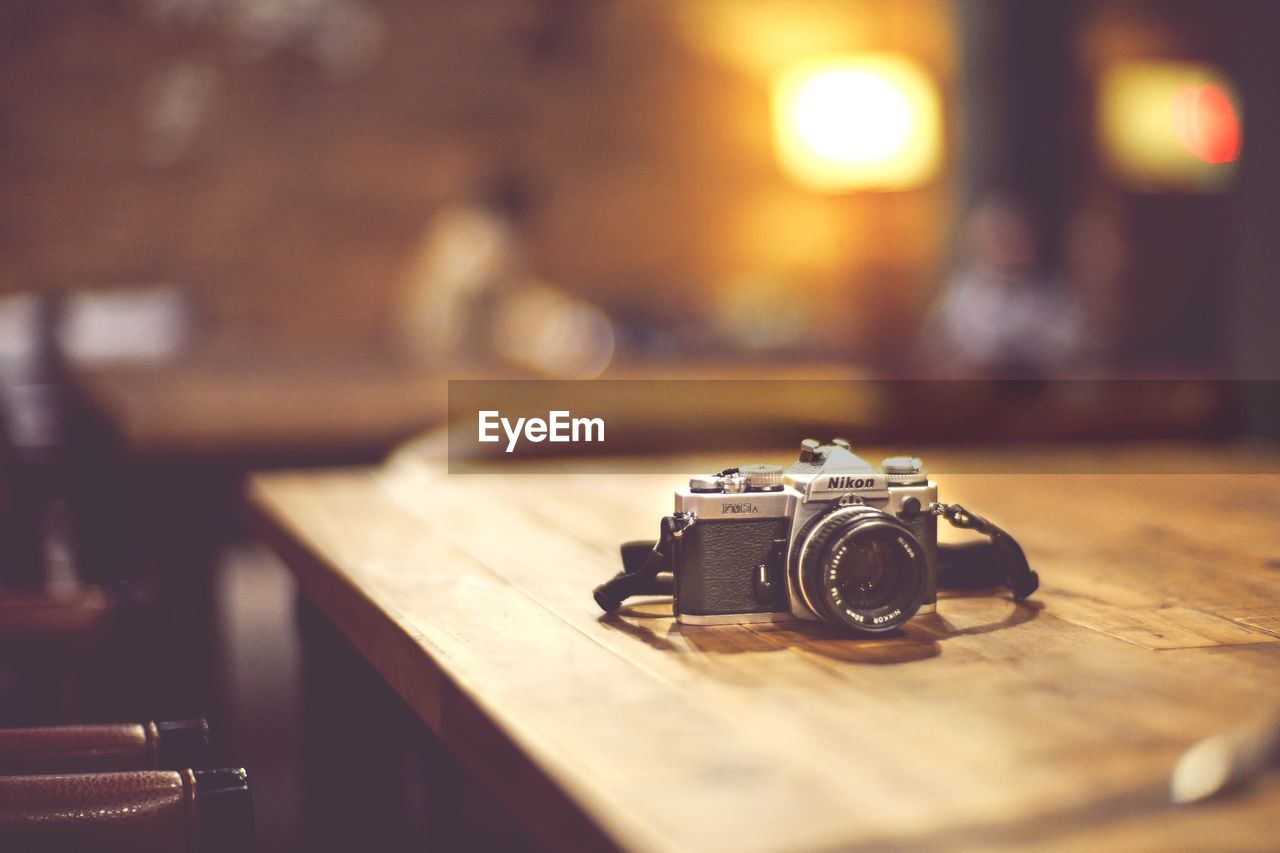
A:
(861, 568)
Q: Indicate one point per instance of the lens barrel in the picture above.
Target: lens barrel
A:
(861, 569)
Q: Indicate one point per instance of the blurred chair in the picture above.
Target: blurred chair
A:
(168, 745)
(32, 440)
(148, 811)
(76, 652)
(73, 619)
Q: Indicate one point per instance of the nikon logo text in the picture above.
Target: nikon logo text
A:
(834, 483)
(559, 426)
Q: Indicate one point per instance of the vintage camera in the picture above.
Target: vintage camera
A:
(830, 539)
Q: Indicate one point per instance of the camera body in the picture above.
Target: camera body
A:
(829, 539)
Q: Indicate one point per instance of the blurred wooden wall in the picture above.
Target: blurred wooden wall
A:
(205, 143)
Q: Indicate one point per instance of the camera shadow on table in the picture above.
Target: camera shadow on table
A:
(968, 614)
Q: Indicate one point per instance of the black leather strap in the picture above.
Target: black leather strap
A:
(969, 567)
(643, 563)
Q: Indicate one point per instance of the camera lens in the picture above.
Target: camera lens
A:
(862, 569)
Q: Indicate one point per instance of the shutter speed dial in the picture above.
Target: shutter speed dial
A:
(764, 478)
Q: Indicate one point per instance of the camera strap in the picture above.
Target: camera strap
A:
(1002, 562)
(1008, 561)
(643, 563)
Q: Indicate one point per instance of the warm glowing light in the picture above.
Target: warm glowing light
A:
(1206, 122)
(1170, 126)
(856, 123)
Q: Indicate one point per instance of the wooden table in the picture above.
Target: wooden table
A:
(269, 408)
(1052, 723)
(161, 452)
(356, 406)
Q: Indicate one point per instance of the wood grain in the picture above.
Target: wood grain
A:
(992, 724)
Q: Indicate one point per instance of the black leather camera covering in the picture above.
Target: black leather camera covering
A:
(717, 564)
(924, 526)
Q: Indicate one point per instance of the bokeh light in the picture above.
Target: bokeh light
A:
(865, 122)
(1206, 122)
(1170, 126)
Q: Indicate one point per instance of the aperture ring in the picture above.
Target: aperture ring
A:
(815, 537)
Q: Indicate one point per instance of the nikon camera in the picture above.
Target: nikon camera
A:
(830, 539)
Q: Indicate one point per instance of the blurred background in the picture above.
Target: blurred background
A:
(804, 179)
(253, 233)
